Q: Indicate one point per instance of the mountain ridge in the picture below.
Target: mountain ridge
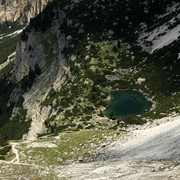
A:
(69, 59)
(57, 50)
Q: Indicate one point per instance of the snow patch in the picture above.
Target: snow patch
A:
(163, 35)
(158, 38)
(165, 40)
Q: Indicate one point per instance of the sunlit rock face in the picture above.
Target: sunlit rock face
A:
(20, 10)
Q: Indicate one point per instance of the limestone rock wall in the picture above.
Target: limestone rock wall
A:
(20, 10)
(35, 51)
(28, 54)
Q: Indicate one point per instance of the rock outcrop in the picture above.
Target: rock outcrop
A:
(52, 77)
(20, 10)
(28, 54)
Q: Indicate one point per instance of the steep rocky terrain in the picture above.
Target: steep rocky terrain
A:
(14, 17)
(96, 61)
(68, 60)
(20, 10)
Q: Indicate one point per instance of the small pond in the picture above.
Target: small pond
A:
(127, 102)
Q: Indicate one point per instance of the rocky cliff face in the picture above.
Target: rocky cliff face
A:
(42, 50)
(28, 54)
(20, 10)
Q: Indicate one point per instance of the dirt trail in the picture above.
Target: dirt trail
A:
(15, 151)
(15, 33)
(147, 153)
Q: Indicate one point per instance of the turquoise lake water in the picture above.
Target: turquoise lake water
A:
(127, 102)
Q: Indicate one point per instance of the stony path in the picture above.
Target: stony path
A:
(15, 33)
(15, 151)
